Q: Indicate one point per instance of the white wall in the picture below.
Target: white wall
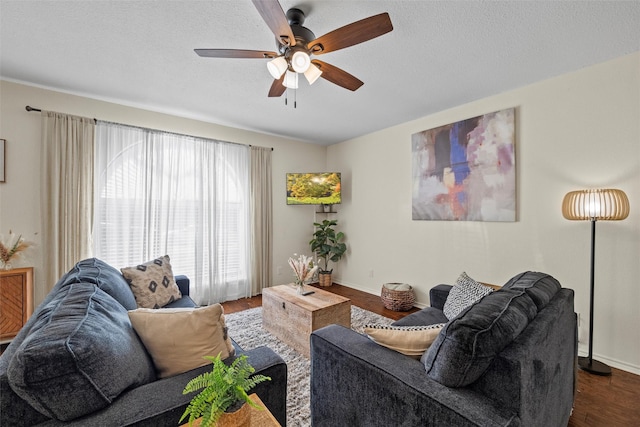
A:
(580, 130)
(20, 194)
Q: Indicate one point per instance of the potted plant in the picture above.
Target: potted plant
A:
(224, 392)
(328, 246)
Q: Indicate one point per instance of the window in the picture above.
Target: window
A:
(160, 193)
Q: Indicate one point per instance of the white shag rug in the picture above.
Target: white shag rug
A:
(245, 327)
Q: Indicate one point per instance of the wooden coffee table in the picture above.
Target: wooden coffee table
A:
(292, 317)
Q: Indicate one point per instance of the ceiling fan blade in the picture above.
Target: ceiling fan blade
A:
(274, 16)
(352, 34)
(337, 76)
(235, 53)
(277, 88)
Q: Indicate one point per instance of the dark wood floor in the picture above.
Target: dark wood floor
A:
(612, 401)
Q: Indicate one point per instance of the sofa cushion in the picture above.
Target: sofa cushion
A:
(104, 276)
(80, 355)
(464, 293)
(541, 287)
(152, 283)
(179, 338)
(467, 344)
(412, 341)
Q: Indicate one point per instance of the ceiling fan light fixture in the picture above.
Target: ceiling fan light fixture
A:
(277, 67)
(300, 61)
(312, 74)
(290, 80)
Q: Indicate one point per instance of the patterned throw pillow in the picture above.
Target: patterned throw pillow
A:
(409, 340)
(152, 283)
(463, 294)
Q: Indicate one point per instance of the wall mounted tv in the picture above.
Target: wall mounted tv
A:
(318, 188)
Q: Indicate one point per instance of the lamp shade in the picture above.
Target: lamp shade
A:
(300, 61)
(277, 67)
(290, 80)
(602, 204)
(312, 74)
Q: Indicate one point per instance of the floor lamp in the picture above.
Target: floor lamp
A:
(594, 205)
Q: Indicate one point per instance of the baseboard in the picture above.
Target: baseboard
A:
(369, 291)
(623, 366)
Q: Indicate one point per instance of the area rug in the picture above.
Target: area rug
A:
(245, 327)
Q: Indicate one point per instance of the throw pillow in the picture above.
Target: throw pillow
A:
(469, 343)
(178, 338)
(152, 283)
(463, 294)
(409, 340)
(80, 355)
(539, 286)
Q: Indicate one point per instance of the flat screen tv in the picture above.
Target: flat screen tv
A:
(318, 188)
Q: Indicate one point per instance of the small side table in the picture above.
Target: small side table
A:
(259, 417)
(262, 417)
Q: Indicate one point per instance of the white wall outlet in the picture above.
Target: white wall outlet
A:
(279, 270)
(371, 273)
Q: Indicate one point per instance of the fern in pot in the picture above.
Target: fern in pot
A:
(224, 393)
(328, 246)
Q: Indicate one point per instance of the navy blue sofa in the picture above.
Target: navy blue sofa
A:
(106, 367)
(507, 360)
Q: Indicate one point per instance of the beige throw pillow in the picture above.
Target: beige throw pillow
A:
(178, 338)
(409, 340)
(152, 283)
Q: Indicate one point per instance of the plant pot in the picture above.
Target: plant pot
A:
(324, 279)
(239, 418)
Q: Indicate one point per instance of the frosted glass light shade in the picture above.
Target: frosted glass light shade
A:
(277, 67)
(300, 61)
(607, 204)
(312, 74)
(290, 80)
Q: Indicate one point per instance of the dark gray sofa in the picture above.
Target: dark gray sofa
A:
(107, 358)
(508, 360)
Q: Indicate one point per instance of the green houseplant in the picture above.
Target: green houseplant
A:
(328, 246)
(224, 390)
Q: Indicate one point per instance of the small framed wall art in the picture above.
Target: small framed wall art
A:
(2, 159)
(466, 171)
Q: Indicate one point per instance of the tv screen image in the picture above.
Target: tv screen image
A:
(319, 188)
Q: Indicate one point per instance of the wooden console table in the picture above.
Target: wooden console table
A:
(16, 301)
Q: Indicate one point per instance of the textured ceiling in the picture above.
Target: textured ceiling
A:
(440, 54)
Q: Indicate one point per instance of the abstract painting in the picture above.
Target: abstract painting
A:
(466, 171)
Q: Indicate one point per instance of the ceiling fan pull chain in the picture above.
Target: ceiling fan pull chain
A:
(295, 98)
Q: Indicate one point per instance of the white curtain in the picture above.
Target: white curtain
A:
(161, 193)
(67, 191)
(261, 218)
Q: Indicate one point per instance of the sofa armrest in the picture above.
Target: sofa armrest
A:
(356, 382)
(183, 284)
(161, 403)
(438, 296)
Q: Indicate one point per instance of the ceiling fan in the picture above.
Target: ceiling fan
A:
(296, 44)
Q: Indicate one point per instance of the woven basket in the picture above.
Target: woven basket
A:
(397, 300)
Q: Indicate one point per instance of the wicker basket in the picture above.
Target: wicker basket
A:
(397, 300)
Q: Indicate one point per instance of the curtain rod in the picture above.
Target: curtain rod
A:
(30, 108)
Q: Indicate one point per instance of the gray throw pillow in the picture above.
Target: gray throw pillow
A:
(541, 287)
(468, 344)
(464, 293)
(81, 354)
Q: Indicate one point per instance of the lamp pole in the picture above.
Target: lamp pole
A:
(587, 363)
